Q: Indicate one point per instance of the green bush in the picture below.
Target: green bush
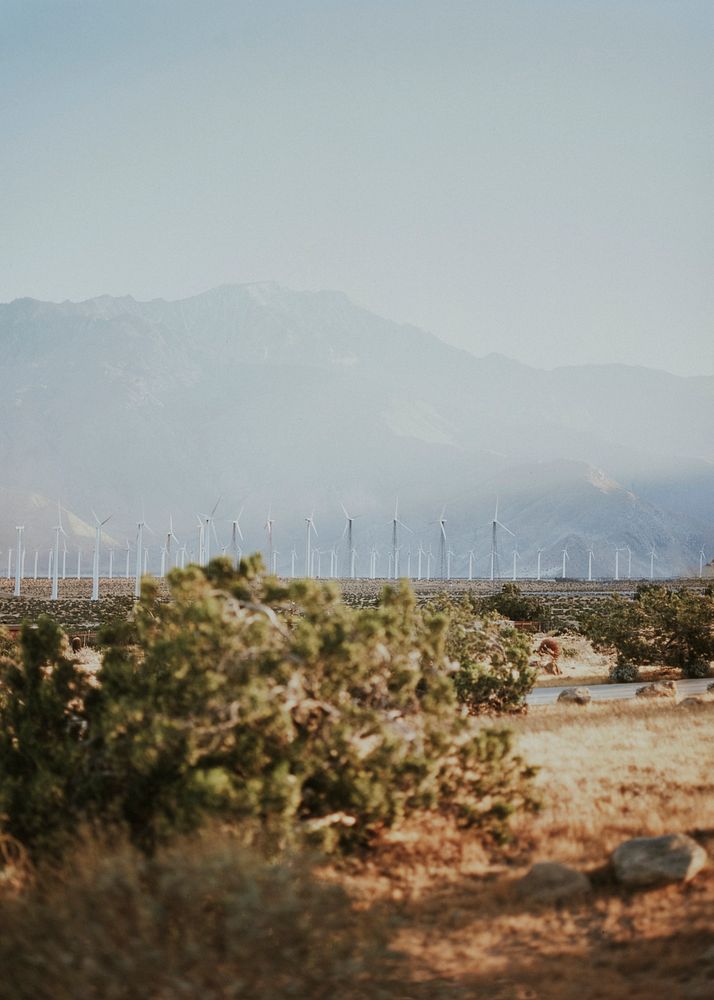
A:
(660, 626)
(203, 920)
(697, 669)
(512, 603)
(492, 659)
(624, 672)
(266, 704)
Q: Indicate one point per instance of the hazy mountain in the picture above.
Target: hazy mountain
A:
(302, 400)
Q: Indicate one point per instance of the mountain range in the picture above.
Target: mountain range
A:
(299, 402)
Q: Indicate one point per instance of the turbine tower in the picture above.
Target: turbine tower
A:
(236, 533)
(443, 569)
(98, 525)
(20, 529)
(516, 557)
(210, 527)
(566, 558)
(269, 522)
(590, 564)
(702, 557)
(347, 530)
(139, 555)
(540, 551)
(396, 524)
(653, 556)
(494, 542)
(310, 529)
(58, 530)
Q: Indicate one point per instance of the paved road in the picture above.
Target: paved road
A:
(613, 692)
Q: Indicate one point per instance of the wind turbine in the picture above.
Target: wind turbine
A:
(540, 551)
(37, 555)
(396, 524)
(494, 542)
(701, 562)
(128, 552)
(449, 556)
(309, 530)
(201, 541)
(442, 544)
(79, 563)
(111, 564)
(566, 558)
(275, 562)
(236, 533)
(516, 557)
(629, 562)
(269, 528)
(590, 564)
(653, 556)
(166, 551)
(58, 530)
(139, 555)
(618, 550)
(420, 553)
(349, 519)
(20, 529)
(98, 525)
(293, 557)
(472, 556)
(210, 526)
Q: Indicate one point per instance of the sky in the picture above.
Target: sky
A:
(532, 177)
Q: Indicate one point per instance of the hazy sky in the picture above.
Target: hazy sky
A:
(527, 176)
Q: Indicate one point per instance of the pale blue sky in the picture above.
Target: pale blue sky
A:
(527, 176)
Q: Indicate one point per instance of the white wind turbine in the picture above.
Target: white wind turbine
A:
(618, 550)
(442, 545)
(269, 522)
(653, 556)
(566, 558)
(140, 557)
(98, 525)
(348, 531)
(20, 529)
(210, 527)
(516, 557)
(472, 557)
(37, 556)
(396, 524)
(58, 530)
(64, 558)
(629, 562)
(236, 533)
(128, 555)
(201, 541)
(79, 563)
(702, 557)
(275, 562)
(540, 552)
(111, 564)
(166, 551)
(420, 554)
(293, 557)
(310, 529)
(449, 556)
(495, 524)
(590, 564)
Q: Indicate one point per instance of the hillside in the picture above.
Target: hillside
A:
(300, 400)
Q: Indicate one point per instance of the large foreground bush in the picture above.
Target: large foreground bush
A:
(271, 705)
(660, 626)
(211, 921)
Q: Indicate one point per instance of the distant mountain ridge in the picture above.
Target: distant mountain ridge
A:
(303, 399)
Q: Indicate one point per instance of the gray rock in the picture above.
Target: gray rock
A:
(551, 882)
(576, 696)
(659, 689)
(647, 861)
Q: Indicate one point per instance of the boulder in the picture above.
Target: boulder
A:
(551, 882)
(695, 699)
(710, 688)
(575, 696)
(658, 689)
(649, 861)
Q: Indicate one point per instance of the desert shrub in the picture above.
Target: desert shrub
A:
(624, 672)
(8, 644)
(674, 628)
(41, 734)
(697, 669)
(512, 603)
(265, 704)
(493, 672)
(211, 921)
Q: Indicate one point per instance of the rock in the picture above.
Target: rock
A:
(551, 882)
(647, 861)
(710, 688)
(659, 689)
(695, 699)
(575, 696)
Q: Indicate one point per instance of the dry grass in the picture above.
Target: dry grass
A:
(608, 772)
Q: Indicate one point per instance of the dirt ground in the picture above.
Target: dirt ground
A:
(607, 773)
